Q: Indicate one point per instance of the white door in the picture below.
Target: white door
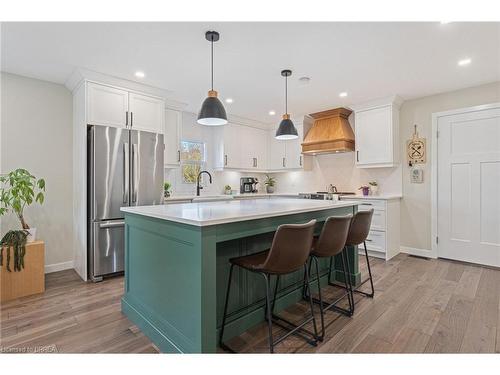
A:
(146, 113)
(106, 106)
(173, 121)
(468, 216)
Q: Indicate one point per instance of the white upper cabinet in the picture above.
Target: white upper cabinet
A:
(241, 147)
(112, 106)
(146, 112)
(107, 106)
(377, 133)
(172, 138)
(285, 154)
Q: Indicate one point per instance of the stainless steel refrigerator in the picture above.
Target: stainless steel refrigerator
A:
(125, 168)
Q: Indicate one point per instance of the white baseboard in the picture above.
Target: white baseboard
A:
(418, 252)
(49, 268)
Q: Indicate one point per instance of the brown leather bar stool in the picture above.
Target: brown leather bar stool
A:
(288, 253)
(330, 243)
(358, 233)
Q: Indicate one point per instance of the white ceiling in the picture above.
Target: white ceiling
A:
(368, 60)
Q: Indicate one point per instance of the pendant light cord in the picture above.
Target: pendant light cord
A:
(212, 59)
(286, 94)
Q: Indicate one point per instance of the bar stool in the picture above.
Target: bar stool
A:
(330, 243)
(288, 253)
(358, 233)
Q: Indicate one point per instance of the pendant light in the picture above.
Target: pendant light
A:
(286, 130)
(212, 112)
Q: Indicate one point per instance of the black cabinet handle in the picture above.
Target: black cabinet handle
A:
(126, 118)
(131, 119)
(179, 156)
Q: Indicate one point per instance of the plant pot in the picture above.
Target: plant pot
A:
(366, 191)
(166, 194)
(31, 235)
(374, 190)
(228, 192)
(269, 189)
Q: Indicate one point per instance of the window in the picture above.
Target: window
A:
(192, 160)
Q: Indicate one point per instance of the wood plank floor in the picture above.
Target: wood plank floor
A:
(433, 306)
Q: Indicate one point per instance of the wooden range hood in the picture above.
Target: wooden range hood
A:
(330, 133)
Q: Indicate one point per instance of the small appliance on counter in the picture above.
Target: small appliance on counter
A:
(248, 185)
(325, 195)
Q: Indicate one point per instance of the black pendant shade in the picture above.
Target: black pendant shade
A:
(212, 112)
(286, 129)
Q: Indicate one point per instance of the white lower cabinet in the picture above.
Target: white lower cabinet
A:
(383, 241)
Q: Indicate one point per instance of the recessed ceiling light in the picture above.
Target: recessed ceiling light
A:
(445, 22)
(304, 80)
(229, 100)
(343, 94)
(272, 113)
(140, 74)
(464, 62)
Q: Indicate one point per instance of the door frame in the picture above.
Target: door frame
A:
(434, 166)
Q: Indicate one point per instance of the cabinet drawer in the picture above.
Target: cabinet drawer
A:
(378, 220)
(376, 241)
(366, 204)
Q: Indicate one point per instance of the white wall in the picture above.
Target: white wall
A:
(36, 130)
(191, 131)
(416, 202)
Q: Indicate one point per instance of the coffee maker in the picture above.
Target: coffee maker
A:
(248, 185)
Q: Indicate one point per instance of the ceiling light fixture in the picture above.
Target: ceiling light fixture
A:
(343, 94)
(286, 129)
(140, 74)
(272, 113)
(464, 62)
(212, 112)
(229, 100)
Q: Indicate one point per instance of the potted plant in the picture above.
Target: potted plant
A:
(19, 189)
(270, 182)
(166, 189)
(373, 187)
(365, 189)
(227, 190)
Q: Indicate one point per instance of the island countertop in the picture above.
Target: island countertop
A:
(213, 213)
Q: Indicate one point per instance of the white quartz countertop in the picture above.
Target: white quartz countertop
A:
(380, 197)
(212, 213)
(176, 198)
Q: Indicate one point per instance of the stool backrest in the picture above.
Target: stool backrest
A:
(290, 249)
(333, 236)
(360, 227)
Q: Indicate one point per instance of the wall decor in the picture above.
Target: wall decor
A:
(415, 149)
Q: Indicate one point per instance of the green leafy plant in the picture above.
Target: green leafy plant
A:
(373, 183)
(15, 239)
(227, 187)
(269, 181)
(167, 186)
(19, 189)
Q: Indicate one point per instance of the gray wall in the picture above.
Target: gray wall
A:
(416, 202)
(36, 134)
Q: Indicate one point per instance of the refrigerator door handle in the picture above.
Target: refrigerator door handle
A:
(126, 171)
(134, 172)
(113, 224)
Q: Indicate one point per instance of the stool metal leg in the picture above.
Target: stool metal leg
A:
(268, 312)
(347, 281)
(369, 272)
(275, 292)
(311, 304)
(226, 303)
(320, 338)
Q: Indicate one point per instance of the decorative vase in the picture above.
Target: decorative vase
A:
(166, 194)
(366, 191)
(269, 189)
(31, 235)
(227, 191)
(374, 189)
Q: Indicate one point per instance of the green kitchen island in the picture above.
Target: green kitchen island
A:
(177, 266)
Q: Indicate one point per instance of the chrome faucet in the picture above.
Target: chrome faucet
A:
(198, 187)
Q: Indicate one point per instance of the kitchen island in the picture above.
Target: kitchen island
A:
(177, 266)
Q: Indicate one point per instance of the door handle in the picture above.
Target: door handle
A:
(113, 224)
(131, 119)
(134, 173)
(126, 171)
